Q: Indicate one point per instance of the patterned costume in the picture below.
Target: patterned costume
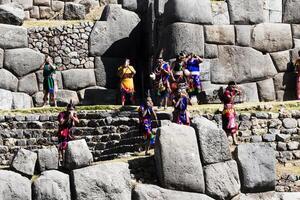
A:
(194, 82)
(64, 130)
(229, 114)
(163, 80)
(127, 86)
(48, 82)
(181, 115)
(146, 123)
(297, 65)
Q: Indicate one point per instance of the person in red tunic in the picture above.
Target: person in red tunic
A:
(228, 116)
(297, 66)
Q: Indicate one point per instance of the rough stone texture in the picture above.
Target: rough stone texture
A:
(289, 123)
(13, 186)
(179, 37)
(220, 13)
(296, 31)
(268, 37)
(51, 185)
(97, 96)
(177, 159)
(1, 57)
(220, 34)
(131, 5)
(242, 64)
(281, 60)
(23, 61)
(222, 180)
(74, 11)
(47, 159)
(246, 12)
(35, 12)
(21, 101)
(76, 79)
(249, 93)
(105, 181)
(45, 12)
(243, 35)
(294, 145)
(28, 84)
(57, 6)
(24, 162)
(6, 99)
(259, 196)
(11, 14)
(199, 12)
(266, 90)
(8, 81)
(285, 81)
(78, 154)
(116, 36)
(65, 96)
(12, 37)
(26, 4)
(257, 167)
(41, 2)
(290, 11)
(153, 192)
(211, 51)
(212, 140)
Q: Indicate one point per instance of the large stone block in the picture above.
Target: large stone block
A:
(21, 101)
(246, 12)
(13, 186)
(23, 61)
(47, 159)
(97, 96)
(74, 11)
(24, 162)
(8, 81)
(11, 14)
(222, 180)
(28, 84)
(6, 99)
(266, 90)
(105, 181)
(63, 97)
(76, 79)
(45, 12)
(41, 2)
(241, 64)
(177, 159)
(249, 93)
(180, 37)
(57, 6)
(51, 185)
(285, 81)
(212, 140)
(26, 4)
(290, 11)
(35, 12)
(153, 192)
(243, 35)
(190, 11)
(1, 57)
(296, 31)
(13, 37)
(117, 35)
(268, 37)
(282, 60)
(220, 34)
(260, 196)
(256, 164)
(78, 154)
(220, 13)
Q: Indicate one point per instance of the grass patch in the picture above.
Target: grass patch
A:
(292, 167)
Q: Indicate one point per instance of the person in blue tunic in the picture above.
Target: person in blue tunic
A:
(181, 114)
(193, 66)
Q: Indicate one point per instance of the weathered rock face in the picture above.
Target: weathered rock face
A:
(212, 140)
(246, 12)
(78, 154)
(23, 61)
(28, 84)
(13, 186)
(116, 36)
(104, 181)
(11, 14)
(26, 4)
(74, 11)
(220, 34)
(266, 90)
(243, 35)
(13, 37)
(47, 159)
(290, 12)
(222, 180)
(6, 99)
(97, 95)
(242, 64)
(281, 60)
(177, 159)
(24, 162)
(257, 167)
(249, 93)
(8, 81)
(153, 192)
(64, 97)
(42, 2)
(180, 37)
(190, 11)
(51, 185)
(76, 79)
(21, 101)
(220, 13)
(269, 37)
(259, 196)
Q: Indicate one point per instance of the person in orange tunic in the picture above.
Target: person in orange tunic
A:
(297, 66)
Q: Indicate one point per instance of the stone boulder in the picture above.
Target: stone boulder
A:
(249, 93)
(13, 186)
(105, 181)
(26, 4)
(97, 96)
(24, 162)
(23, 61)
(76, 79)
(212, 140)
(268, 37)
(246, 12)
(290, 11)
(21, 101)
(266, 90)
(13, 37)
(282, 60)
(6, 99)
(88, 4)
(241, 64)
(1, 57)
(78, 154)
(259, 196)
(47, 159)
(153, 192)
(220, 13)
(63, 97)
(51, 185)
(116, 35)
(211, 51)
(8, 81)
(57, 6)
(222, 180)
(190, 11)
(177, 159)
(28, 84)
(220, 34)
(243, 35)
(11, 14)
(41, 2)
(74, 11)
(179, 37)
(256, 164)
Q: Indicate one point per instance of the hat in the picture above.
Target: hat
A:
(71, 106)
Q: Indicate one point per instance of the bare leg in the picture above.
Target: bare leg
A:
(166, 102)
(45, 98)
(123, 98)
(147, 146)
(235, 142)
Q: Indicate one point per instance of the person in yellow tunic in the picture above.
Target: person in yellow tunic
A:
(126, 73)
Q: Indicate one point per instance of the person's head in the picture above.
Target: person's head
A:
(231, 84)
(70, 107)
(48, 59)
(127, 62)
(149, 102)
(160, 60)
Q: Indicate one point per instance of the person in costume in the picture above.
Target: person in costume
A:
(126, 73)
(181, 114)
(297, 66)
(67, 120)
(193, 67)
(146, 113)
(230, 125)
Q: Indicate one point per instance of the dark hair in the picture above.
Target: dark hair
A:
(71, 105)
(299, 52)
(231, 83)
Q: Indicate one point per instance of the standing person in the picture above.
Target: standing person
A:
(164, 89)
(297, 66)
(67, 120)
(146, 113)
(126, 73)
(181, 115)
(230, 125)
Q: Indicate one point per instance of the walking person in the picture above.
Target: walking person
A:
(297, 66)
